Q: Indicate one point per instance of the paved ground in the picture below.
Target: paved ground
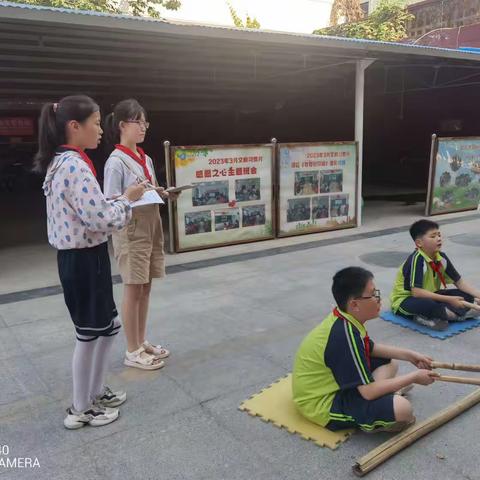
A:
(233, 329)
(31, 264)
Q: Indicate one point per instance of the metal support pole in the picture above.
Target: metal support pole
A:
(166, 146)
(276, 185)
(361, 66)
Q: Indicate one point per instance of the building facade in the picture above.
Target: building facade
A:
(433, 14)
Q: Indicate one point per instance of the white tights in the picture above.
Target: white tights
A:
(89, 365)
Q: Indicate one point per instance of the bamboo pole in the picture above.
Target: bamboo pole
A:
(456, 366)
(474, 306)
(466, 380)
(388, 449)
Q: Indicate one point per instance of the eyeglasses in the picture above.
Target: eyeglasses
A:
(376, 295)
(141, 123)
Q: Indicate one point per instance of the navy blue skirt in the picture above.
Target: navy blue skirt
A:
(86, 278)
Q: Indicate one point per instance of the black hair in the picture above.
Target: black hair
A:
(52, 122)
(421, 227)
(123, 111)
(349, 283)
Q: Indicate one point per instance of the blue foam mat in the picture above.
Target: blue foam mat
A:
(454, 328)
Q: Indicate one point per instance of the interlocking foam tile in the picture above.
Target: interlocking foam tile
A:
(454, 328)
(274, 404)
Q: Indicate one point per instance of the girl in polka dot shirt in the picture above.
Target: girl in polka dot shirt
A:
(79, 220)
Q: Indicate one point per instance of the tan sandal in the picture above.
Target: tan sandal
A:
(142, 360)
(156, 350)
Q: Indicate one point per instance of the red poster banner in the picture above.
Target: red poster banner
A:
(16, 127)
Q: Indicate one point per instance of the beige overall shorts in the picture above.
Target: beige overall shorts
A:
(138, 248)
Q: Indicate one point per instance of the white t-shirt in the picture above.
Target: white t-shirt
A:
(121, 171)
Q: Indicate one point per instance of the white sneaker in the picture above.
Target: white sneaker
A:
(110, 398)
(472, 313)
(433, 323)
(95, 415)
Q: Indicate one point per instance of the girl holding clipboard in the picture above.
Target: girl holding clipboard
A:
(138, 248)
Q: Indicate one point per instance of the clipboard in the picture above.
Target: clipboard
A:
(180, 188)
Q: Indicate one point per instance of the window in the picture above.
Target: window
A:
(420, 19)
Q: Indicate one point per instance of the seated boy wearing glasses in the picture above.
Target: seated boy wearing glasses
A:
(420, 292)
(342, 379)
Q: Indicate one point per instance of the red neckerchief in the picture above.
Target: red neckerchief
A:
(437, 268)
(366, 339)
(141, 160)
(84, 156)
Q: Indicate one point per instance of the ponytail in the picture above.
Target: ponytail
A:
(53, 121)
(48, 138)
(112, 130)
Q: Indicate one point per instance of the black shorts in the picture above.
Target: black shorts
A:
(350, 409)
(86, 278)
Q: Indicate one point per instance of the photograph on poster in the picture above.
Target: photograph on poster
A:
(247, 189)
(331, 181)
(198, 222)
(339, 205)
(210, 193)
(227, 219)
(298, 209)
(253, 215)
(306, 183)
(320, 207)
(454, 183)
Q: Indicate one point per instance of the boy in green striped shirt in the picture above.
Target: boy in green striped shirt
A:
(341, 378)
(420, 292)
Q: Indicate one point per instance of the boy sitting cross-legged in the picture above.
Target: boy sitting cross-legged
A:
(341, 378)
(420, 292)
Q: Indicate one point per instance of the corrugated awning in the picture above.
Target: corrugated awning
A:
(48, 53)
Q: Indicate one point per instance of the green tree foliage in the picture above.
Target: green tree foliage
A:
(135, 7)
(388, 22)
(148, 8)
(239, 23)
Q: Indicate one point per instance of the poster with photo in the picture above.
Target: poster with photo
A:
(232, 196)
(454, 180)
(253, 216)
(339, 206)
(198, 222)
(320, 207)
(317, 187)
(227, 219)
